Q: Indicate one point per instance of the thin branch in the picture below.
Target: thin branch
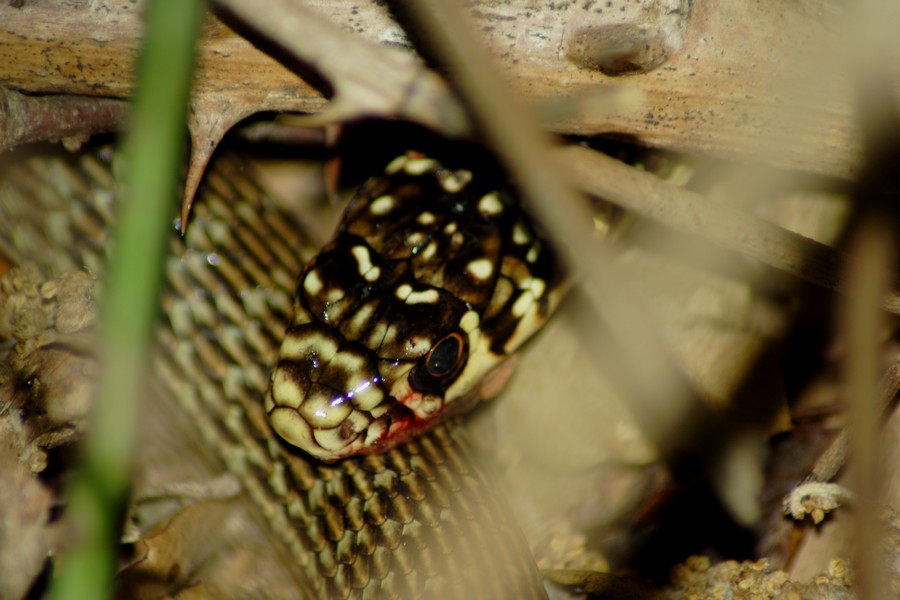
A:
(721, 225)
(835, 456)
(862, 323)
(25, 119)
(368, 79)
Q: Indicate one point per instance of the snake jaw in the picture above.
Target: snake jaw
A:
(357, 432)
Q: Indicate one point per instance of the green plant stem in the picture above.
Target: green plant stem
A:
(153, 152)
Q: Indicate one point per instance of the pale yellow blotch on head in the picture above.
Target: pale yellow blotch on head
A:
(364, 263)
(403, 291)
(382, 205)
(532, 254)
(379, 410)
(470, 321)
(396, 164)
(521, 235)
(390, 335)
(417, 166)
(311, 283)
(415, 238)
(429, 251)
(366, 395)
(400, 387)
(503, 290)
(426, 218)
(417, 347)
(451, 184)
(450, 227)
(454, 182)
(534, 285)
(335, 294)
(288, 423)
(284, 392)
(490, 204)
(529, 321)
(319, 410)
(474, 337)
(348, 362)
(423, 297)
(457, 239)
(522, 304)
(299, 347)
(363, 260)
(480, 268)
(361, 317)
(377, 335)
(361, 391)
(334, 311)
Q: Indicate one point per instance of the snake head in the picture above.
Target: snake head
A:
(429, 284)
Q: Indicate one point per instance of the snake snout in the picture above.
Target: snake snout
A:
(326, 397)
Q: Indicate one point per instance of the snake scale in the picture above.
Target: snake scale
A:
(416, 518)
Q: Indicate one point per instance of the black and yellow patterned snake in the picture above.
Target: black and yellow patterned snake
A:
(433, 279)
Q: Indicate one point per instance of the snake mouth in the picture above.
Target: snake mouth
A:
(356, 435)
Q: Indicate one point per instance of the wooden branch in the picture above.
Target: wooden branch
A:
(740, 79)
(71, 119)
(393, 82)
(90, 49)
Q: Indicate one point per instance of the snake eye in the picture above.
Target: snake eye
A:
(440, 367)
(445, 356)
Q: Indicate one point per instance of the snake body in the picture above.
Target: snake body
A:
(417, 520)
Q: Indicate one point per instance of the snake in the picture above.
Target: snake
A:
(331, 383)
